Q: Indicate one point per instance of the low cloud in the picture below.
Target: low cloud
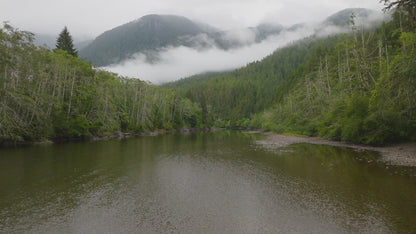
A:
(242, 36)
(179, 62)
(174, 63)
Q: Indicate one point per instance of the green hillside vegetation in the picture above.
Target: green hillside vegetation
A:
(153, 33)
(51, 95)
(356, 87)
(148, 33)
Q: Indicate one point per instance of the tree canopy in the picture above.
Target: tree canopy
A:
(53, 95)
(65, 42)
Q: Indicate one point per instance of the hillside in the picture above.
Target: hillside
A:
(237, 95)
(147, 33)
(153, 33)
(354, 87)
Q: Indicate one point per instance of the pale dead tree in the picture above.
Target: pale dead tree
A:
(397, 4)
(327, 75)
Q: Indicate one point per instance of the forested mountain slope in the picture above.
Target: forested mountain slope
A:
(355, 87)
(361, 90)
(152, 33)
(147, 33)
(237, 95)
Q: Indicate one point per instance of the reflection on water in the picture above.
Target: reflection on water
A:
(218, 182)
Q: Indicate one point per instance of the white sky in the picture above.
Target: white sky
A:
(89, 18)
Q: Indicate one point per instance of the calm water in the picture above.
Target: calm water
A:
(218, 182)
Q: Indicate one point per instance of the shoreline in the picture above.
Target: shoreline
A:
(113, 136)
(403, 154)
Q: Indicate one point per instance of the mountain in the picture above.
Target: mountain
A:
(343, 17)
(147, 33)
(267, 29)
(151, 33)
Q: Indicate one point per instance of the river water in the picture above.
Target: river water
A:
(216, 182)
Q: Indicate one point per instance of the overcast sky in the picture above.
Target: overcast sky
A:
(89, 18)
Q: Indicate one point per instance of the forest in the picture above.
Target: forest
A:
(356, 87)
(50, 95)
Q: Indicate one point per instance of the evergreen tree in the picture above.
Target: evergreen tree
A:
(64, 42)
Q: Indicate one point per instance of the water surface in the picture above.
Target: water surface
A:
(217, 182)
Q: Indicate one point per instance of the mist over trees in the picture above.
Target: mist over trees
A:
(353, 87)
(357, 86)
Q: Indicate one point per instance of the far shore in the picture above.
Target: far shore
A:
(116, 135)
(398, 154)
(403, 154)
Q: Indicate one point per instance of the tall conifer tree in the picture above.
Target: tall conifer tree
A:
(65, 42)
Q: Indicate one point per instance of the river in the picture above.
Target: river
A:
(215, 182)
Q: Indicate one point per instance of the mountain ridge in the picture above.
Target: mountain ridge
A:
(149, 33)
(152, 33)
(146, 33)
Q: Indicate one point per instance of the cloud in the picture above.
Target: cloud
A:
(179, 62)
(241, 36)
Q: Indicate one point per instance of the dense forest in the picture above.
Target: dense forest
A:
(356, 87)
(48, 94)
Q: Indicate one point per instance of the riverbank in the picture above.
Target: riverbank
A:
(398, 154)
(117, 135)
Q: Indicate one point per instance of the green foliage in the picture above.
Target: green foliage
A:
(65, 42)
(239, 94)
(392, 105)
(55, 95)
(361, 91)
(356, 87)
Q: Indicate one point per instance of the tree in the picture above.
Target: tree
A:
(399, 3)
(64, 42)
